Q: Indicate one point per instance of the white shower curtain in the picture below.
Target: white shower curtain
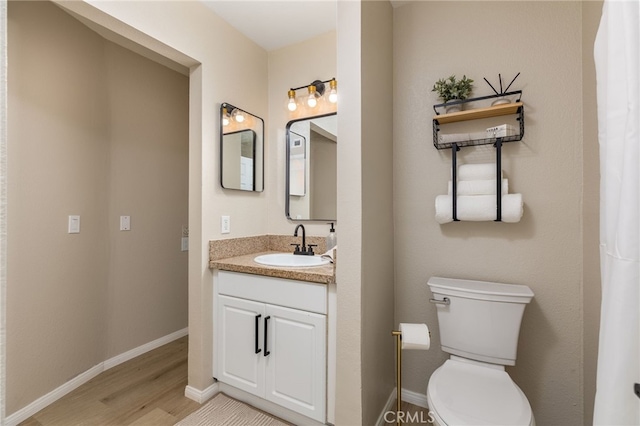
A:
(617, 55)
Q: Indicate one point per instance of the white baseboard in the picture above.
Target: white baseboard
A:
(415, 398)
(411, 397)
(42, 402)
(201, 396)
(387, 407)
(119, 359)
(82, 378)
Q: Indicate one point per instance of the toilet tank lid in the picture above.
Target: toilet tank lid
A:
(482, 289)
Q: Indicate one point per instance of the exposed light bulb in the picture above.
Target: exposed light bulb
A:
(292, 101)
(225, 117)
(333, 94)
(238, 116)
(311, 100)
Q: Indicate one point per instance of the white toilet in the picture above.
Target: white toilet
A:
(479, 324)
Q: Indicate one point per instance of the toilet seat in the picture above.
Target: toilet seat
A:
(462, 393)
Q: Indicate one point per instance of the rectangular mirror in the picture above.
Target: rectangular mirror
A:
(311, 166)
(241, 149)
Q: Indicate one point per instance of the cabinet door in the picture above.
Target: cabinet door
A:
(296, 364)
(240, 357)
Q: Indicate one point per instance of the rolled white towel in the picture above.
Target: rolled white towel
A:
(478, 187)
(483, 171)
(479, 208)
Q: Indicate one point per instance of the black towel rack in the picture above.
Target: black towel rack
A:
(511, 108)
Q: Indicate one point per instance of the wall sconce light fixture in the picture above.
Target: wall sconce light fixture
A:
(316, 90)
(231, 113)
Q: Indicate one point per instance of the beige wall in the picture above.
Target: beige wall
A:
(148, 181)
(365, 212)
(293, 66)
(195, 37)
(349, 266)
(377, 209)
(58, 166)
(98, 131)
(545, 249)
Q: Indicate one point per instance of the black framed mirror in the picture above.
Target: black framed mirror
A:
(241, 149)
(311, 166)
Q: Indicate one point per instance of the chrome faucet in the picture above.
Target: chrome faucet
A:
(304, 250)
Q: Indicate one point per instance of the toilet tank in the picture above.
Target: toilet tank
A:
(482, 319)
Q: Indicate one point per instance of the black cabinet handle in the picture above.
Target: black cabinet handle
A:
(266, 327)
(258, 350)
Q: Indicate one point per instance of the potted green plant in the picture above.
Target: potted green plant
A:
(449, 89)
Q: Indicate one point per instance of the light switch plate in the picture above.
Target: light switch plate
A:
(125, 223)
(225, 224)
(74, 224)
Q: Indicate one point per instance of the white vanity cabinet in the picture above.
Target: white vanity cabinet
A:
(271, 340)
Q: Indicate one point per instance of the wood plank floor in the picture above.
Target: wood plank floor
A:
(147, 390)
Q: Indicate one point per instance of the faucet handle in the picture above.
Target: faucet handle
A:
(297, 249)
(310, 248)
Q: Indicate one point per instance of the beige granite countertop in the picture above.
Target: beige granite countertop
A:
(237, 254)
(318, 274)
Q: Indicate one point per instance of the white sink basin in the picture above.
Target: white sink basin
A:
(290, 260)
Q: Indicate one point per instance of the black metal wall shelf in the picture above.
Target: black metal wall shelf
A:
(511, 108)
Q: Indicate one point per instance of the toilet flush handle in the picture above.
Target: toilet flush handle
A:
(444, 301)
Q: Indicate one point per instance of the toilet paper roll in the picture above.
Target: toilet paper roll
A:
(415, 336)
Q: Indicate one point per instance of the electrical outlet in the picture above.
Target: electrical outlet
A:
(225, 224)
(185, 230)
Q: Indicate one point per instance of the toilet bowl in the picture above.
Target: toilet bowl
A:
(467, 393)
(479, 324)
